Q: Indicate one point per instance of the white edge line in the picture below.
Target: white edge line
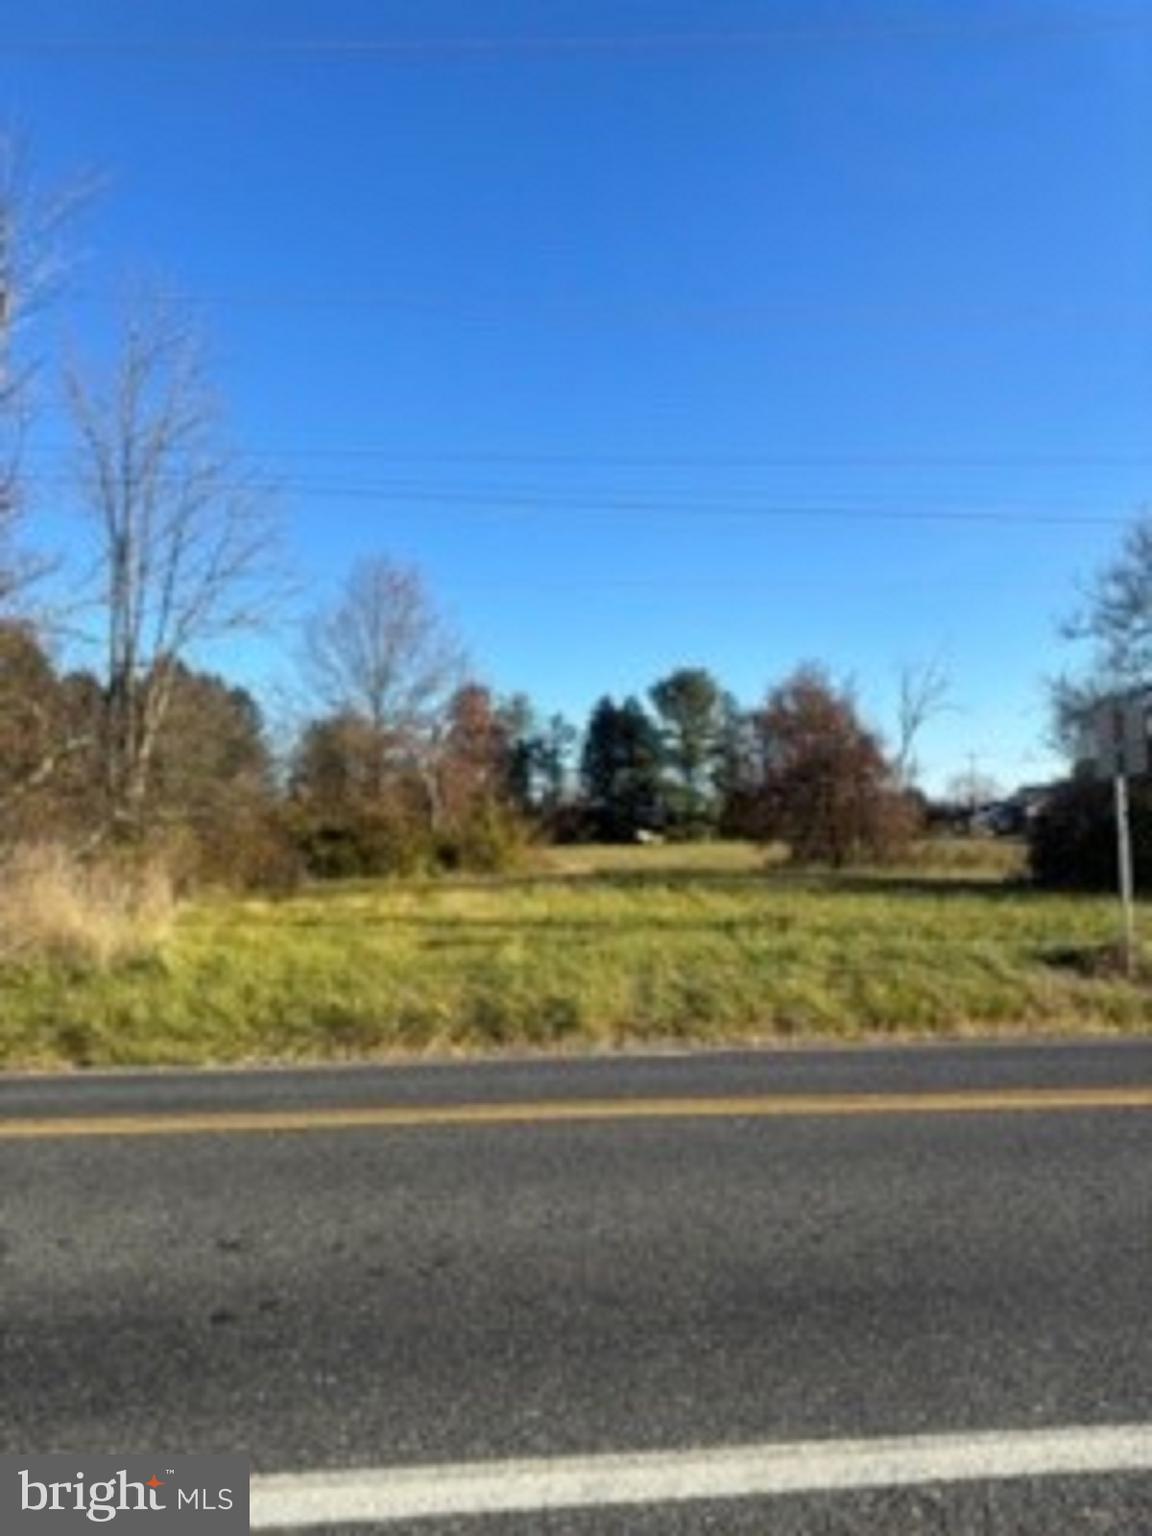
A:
(382, 1494)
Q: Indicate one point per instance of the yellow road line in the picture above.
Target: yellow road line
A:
(760, 1106)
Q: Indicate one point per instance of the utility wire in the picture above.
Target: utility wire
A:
(429, 45)
(724, 317)
(579, 459)
(523, 502)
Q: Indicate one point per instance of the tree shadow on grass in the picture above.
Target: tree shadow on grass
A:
(1099, 962)
(818, 881)
(904, 884)
(775, 881)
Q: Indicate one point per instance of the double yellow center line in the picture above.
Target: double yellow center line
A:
(779, 1106)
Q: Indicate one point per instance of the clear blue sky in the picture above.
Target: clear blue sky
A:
(713, 333)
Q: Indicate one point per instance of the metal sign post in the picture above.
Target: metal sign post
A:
(1121, 744)
(1124, 865)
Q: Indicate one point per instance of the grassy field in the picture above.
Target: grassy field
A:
(594, 948)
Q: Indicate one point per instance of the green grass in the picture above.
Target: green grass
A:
(665, 858)
(977, 857)
(594, 948)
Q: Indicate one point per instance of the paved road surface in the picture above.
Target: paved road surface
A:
(350, 1295)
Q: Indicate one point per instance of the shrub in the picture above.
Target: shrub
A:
(55, 905)
(252, 850)
(364, 843)
(488, 840)
(1072, 841)
(828, 790)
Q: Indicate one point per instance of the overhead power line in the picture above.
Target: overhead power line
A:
(522, 502)
(723, 317)
(581, 459)
(398, 46)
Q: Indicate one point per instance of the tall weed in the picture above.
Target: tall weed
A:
(88, 913)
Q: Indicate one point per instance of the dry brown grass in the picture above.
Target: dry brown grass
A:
(89, 913)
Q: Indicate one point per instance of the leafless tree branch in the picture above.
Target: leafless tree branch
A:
(383, 655)
(187, 540)
(924, 692)
(33, 266)
(383, 652)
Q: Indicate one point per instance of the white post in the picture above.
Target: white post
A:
(1124, 861)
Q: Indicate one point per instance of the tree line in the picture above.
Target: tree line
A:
(402, 762)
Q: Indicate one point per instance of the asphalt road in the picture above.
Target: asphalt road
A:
(402, 1295)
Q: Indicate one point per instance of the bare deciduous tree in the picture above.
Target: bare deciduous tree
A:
(1115, 621)
(1116, 617)
(924, 692)
(1074, 702)
(32, 266)
(383, 654)
(186, 539)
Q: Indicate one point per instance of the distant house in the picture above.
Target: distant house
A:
(1012, 816)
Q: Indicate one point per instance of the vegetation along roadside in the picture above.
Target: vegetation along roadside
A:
(592, 948)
